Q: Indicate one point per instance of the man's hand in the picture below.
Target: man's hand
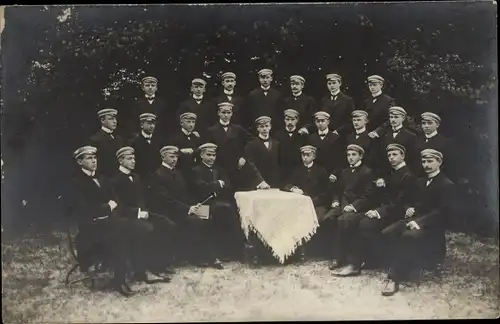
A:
(332, 178)
(263, 185)
(373, 134)
(193, 209)
(297, 190)
(187, 150)
(196, 134)
(413, 225)
(410, 212)
(112, 204)
(372, 214)
(380, 183)
(349, 208)
(303, 131)
(241, 163)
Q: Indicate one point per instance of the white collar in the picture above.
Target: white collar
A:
(266, 139)
(377, 94)
(400, 165)
(186, 132)
(107, 130)
(359, 131)
(195, 97)
(124, 170)
(223, 123)
(431, 135)
(167, 166)
(397, 128)
(293, 130)
(309, 165)
(149, 98)
(265, 89)
(335, 93)
(297, 95)
(357, 164)
(323, 133)
(210, 167)
(433, 174)
(89, 173)
(229, 93)
(146, 135)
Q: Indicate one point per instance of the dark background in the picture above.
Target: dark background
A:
(437, 57)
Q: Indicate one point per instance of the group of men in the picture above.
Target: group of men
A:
(375, 184)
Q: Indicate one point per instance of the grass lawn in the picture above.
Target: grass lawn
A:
(34, 267)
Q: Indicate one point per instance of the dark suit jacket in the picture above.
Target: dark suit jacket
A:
(257, 104)
(206, 112)
(313, 181)
(107, 164)
(405, 138)
(305, 105)
(329, 152)
(238, 109)
(340, 112)
(186, 161)
(378, 112)
(355, 188)
(265, 160)
(130, 123)
(147, 155)
(290, 156)
(399, 189)
(205, 182)
(443, 145)
(128, 194)
(366, 143)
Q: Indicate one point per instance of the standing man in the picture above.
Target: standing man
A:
(377, 106)
(327, 143)
(107, 142)
(418, 240)
(187, 139)
(202, 107)
(229, 95)
(263, 101)
(338, 105)
(360, 135)
(146, 145)
(304, 104)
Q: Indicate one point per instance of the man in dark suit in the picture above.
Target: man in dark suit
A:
(231, 140)
(101, 228)
(263, 101)
(327, 143)
(204, 108)
(290, 143)
(107, 142)
(304, 104)
(210, 180)
(377, 106)
(338, 105)
(187, 139)
(128, 193)
(360, 135)
(170, 195)
(229, 95)
(263, 152)
(351, 199)
(418, 240)
(147, 144)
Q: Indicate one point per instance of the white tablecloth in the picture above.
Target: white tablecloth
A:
(282, 220)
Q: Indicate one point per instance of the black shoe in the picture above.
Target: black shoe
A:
(335, 264)
(218, 264)
(124, 290)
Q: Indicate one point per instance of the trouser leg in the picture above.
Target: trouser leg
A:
(347, 225)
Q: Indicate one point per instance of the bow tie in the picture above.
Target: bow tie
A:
(264, 140)
(323, 134)
(224, 125)
(148, 137)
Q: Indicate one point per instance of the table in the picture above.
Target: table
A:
(281, 220)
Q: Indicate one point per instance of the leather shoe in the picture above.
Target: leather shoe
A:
(391, 287)
(218, 264)
(347, 271)
(124, 290)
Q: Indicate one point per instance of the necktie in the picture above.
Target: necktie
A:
(173, 172)
(94, 178)
(428, 182)
(375, 99)
(111, 135)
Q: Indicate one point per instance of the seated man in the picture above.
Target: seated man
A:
(351, 200)
(170, 195)
(311, 180)
(128, 192)
(187, 139)
(418, 240)
(210, 180)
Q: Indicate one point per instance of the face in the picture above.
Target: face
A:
(265, 81)
(429, 126)
(396, 120)
(88, 162)
(395, 157)
(127, 161)
(229, 83)
(198, 89)
(375, 87)
(322, 123)
(264, 129)
(353, 157)
(308, 157)
(170, 158)
(149, 87)
(430, 164)
(109, 121)
(359, 122)
(296, 86)
(333, 85)
(290, 122)
(225, 115)
(208, 157)
(188, 124)
(148, 126)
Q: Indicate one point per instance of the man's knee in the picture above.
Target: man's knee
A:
(348, 220)
(369, 227)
